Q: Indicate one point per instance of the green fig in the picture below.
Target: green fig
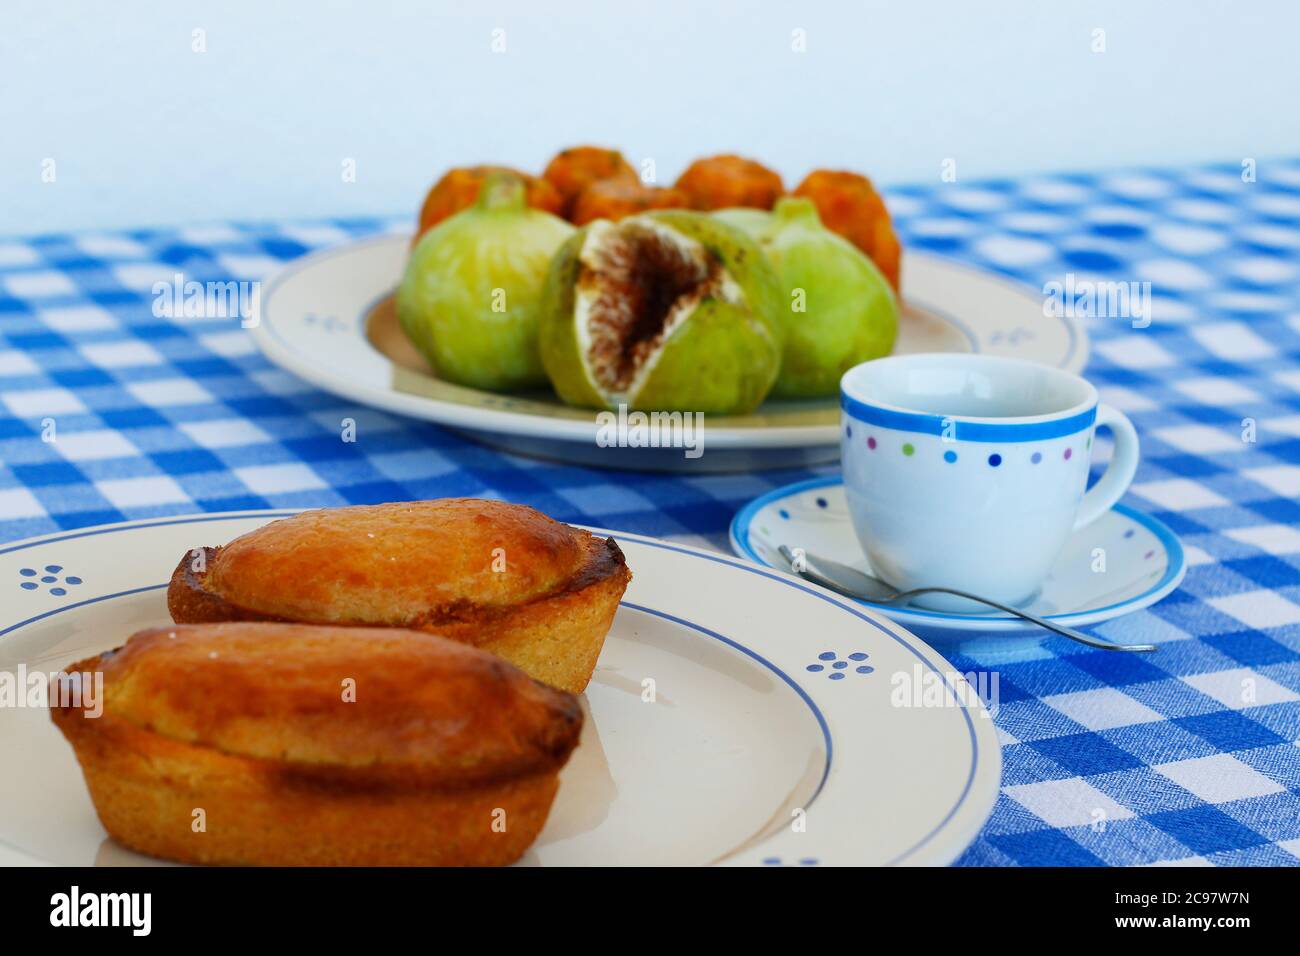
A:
(468, 300)
(838, 310)
(665, 311)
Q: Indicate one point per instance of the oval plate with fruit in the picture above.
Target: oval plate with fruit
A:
(606, 322)
(330, 319)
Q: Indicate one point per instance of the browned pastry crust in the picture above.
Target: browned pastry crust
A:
(504, 578)
(443, 756)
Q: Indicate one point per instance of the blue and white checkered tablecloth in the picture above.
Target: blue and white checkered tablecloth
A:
(1185, 756)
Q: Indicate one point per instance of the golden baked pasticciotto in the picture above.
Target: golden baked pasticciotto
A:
(289, 744)
(502, 577)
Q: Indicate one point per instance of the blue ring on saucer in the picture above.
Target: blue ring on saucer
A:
(1174, 569)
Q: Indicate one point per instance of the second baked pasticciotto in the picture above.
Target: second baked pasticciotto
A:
(294, 745)
(504, 578)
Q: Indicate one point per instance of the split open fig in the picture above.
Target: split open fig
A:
(669, 310)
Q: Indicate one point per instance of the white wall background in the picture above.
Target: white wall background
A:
(145, 131)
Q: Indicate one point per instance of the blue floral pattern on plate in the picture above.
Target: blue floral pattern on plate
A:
(50, 576)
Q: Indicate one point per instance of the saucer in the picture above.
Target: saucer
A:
(1124, 561)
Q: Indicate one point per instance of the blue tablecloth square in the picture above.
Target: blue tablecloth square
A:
(1206, 830)
(1119, 670)
(187, 462)
(1229, 730)
(1086, 754)
(1252, 648)
(1025, 848)
(1267, 571)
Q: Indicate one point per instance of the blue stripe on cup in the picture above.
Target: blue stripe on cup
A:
(959, 430)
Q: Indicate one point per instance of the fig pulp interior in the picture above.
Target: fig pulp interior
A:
(636, 278)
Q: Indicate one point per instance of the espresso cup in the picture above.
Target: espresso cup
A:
(970, 471)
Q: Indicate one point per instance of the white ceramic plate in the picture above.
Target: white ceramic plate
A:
(1143, 559)
(771, 697)
(328, 318)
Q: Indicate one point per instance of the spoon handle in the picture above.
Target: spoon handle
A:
(1061, 629)
(902, 597)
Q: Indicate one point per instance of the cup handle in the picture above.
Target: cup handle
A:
(1119, 473)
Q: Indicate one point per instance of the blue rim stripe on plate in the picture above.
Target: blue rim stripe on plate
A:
(1175, 566)
(925, 424)
(794, 685)
(1071, 326)
(785, 580)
